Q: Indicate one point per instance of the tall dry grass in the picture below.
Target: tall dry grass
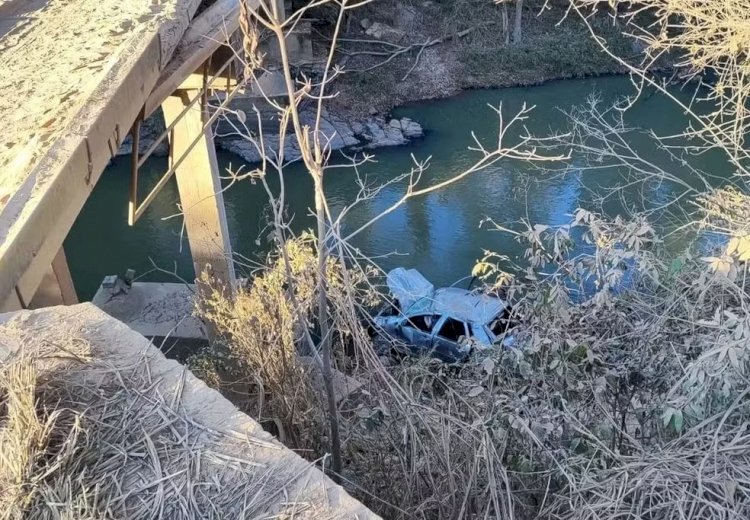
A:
(27, 436)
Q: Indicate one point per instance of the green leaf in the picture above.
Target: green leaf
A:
(677, 421)
(666, 417)
(675, 267)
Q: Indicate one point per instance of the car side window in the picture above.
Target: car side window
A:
(498, 326)
(424, 322)
(452, 329)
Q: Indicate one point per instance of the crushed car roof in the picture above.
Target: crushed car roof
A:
(416, 295)
(460, 304)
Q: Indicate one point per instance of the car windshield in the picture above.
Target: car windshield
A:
(421, 306)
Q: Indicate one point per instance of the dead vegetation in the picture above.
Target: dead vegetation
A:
(624, 393)
(279, 385)
(81, 439)
(617, 391)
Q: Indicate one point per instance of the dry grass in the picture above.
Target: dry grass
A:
(263, 315)
(24, 438)
(702, 474)
(107, 445)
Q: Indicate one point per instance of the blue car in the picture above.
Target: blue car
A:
(447, 323)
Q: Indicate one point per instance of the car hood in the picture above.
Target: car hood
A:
(408, 286)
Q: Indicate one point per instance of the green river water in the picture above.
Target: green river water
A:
(439, 233)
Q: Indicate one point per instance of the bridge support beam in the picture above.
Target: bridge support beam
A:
(56, 287)
(198, 182)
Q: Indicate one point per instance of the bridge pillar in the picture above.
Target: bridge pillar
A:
(199, 185)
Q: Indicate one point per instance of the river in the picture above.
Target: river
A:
(439, 233)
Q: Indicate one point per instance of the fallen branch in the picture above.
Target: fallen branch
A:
(400, 49)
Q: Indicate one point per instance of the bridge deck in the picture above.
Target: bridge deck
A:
(74, 75)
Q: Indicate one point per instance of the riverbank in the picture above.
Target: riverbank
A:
(436, 49)
(396, 52)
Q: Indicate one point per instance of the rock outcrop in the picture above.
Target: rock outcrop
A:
(381, 31)
(150, 130)
(377, 133)
(372, 132)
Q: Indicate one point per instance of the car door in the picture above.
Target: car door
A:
(417, 331)
(480, 335)
(446, 342)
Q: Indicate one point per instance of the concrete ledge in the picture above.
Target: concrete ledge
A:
(109, 343)
(154, 309)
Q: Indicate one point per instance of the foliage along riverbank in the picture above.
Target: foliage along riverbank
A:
(396, 51)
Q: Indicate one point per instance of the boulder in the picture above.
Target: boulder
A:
(375, 131)
(381, 134)
(339, 132)
(358, 128)
(381, 31)
(394, 137)
(411, 129)
(333, 129)
(249, 151)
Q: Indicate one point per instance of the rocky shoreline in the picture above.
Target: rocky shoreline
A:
(370, 133)
(357, 118)
(363, 134)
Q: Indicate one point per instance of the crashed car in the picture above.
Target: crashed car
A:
(447, 323)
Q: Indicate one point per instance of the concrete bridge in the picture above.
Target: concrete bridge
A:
(76, 77)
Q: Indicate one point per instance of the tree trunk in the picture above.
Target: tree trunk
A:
(506, 25)
(517, 25)
(325, 332)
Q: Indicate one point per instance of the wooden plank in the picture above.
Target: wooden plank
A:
(49, 293)
(12, 303)
(206, 33)
(64, 279)
(44, 225)
(195, 82)
(56, 287)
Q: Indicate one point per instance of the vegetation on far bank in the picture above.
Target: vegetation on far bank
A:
(476, 50)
